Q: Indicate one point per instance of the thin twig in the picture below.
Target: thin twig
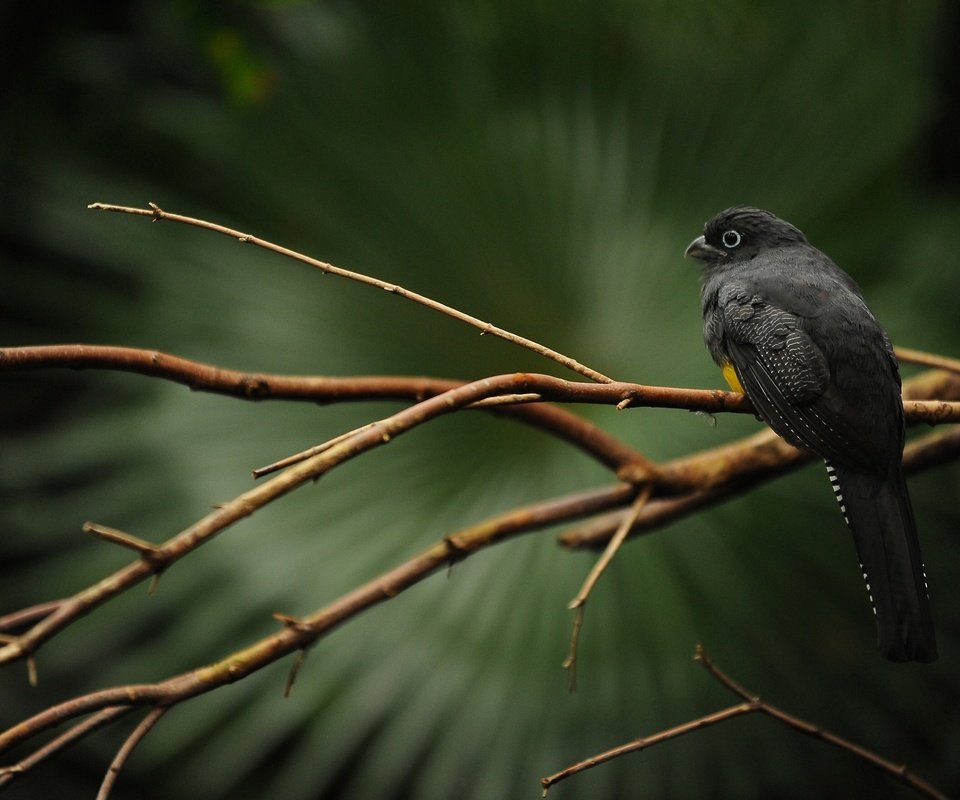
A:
(256, 386)
(278, 486)
(644, 742)
(731, 470)
(925, 359)
(64, 740)
(897, 771)
(120, 759)
(611, 550)
(450, 549)
(122, 538)
(157, 213)
(27, 616)
(298, 660)
(752, 703)
(303, 455)
(579, 603)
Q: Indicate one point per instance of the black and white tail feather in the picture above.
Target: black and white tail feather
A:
(877, 510)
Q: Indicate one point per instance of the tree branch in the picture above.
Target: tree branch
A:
(73, 734)
(698, 473)
(579, 603)
(731, 470)
(752, 703)
(156, 213)
(308, 630)
(569, 427)
(908, 355)
(162, 556)
(448, 550)
(682, 484)
(135, 737)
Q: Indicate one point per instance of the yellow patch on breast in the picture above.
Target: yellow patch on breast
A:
(730, 374)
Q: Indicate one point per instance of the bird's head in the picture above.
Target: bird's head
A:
(741, 233)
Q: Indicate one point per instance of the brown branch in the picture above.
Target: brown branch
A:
(731, 470)
(109, 704)
(122, 538)
(579, 603)
(896, 771)
(307, 630)
(74, 734)
(28, 616)
(910, 356)
(644, 742)
(604, 561)
(569, 427)
(156, 213)
(697, 473)
(260, 386)
(135, 737)
(303, 455)
(162, 556)
(679, 476)
(321, 389)
(752, 703)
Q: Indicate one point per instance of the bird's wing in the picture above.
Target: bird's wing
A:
(787, 378)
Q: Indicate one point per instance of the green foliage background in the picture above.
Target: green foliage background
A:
(541, 165)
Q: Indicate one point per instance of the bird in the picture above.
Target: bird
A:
(791, 330)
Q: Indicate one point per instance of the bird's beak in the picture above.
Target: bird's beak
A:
(700, 250)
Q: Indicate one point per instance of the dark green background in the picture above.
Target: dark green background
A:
(541, 165)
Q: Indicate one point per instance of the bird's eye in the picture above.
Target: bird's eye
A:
(730, 239)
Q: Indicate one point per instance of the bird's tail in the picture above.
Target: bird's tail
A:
(878, 511)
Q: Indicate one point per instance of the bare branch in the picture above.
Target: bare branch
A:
(567, 426)
(136, 736)
(27, 616)
(245, 504)
(448, 550)
(910, 356)
(128, 540)
(579, 603)
(156, 213)
(644, 742)
(683, 484)
(611, 550)
(668, 492)
(261, 386)
(752, 703)
(747, 462)
(74, 734)
(731, 470)
(897, 771)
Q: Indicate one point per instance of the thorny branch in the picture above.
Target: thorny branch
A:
(751, 703)
(135, 737)
(685, 484)
(699, 479)
(157, 213)
(160, 557)
(579, 603)
(659, 493)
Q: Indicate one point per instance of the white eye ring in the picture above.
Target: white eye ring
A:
(730, 239)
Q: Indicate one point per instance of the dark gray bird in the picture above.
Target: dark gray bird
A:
(790, 329)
